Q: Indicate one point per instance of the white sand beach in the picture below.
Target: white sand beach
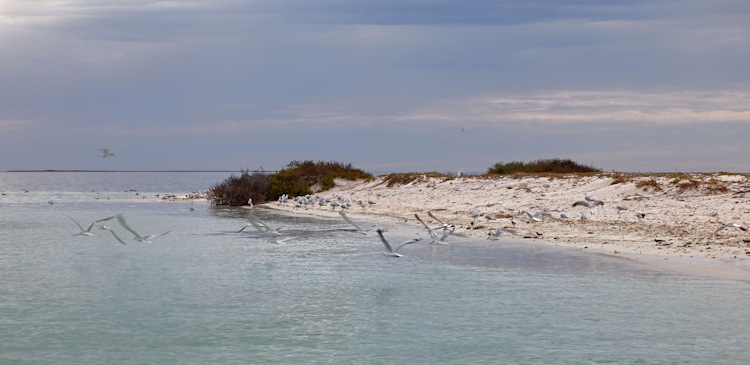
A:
(681, 211)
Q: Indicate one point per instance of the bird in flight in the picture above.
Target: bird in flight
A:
(389, 250)
(728, 225)
(105, 153)
(87, 231)
(137, 236)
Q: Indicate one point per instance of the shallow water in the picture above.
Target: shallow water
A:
(206, 294)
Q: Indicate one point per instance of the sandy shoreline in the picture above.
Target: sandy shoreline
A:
(681, 214)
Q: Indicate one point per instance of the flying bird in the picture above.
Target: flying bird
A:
(103, 227)
(359, 230)
(137, 236)
(437, 239)
(105, 153)
(87, 231)
(389, 250)
(728, 225)
(444, 224)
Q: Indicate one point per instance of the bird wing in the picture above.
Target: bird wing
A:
(359, 230)
(115, 234)
(385, 242)
(74, 221)
(407, 243)
(97, 222)
(157, 235)
(582, 203)
(125, 225)
(432, 232)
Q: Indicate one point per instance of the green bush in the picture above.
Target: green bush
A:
(555, 165)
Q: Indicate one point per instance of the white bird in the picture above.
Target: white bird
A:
(263, 228)
(619, 208)
(488, 217)
(500, 231)
(583, 217)
(528, 217)
(87, 231)
(359, 230)
(437, 239)
(389, 250)
(563, 215)
(138, 237)
(443, 224)
(105, 153)
(735, 225)
(103, 227)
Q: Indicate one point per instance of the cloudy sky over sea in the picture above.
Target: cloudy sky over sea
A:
(407, 85)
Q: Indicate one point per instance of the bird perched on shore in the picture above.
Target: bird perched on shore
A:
(728, 225)
(640, 215)
(619, 208)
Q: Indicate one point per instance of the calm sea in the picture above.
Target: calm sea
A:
(205, 294)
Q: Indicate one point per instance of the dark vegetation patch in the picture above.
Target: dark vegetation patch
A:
(297, 178)
(553, 165)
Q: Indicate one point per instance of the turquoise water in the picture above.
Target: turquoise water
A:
(206, 294)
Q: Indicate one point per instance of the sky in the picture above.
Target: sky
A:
(388, 86)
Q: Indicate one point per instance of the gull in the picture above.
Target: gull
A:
(500, 231)
(488, 217)
(105, 153)
(619, 208)
(437, 239)
(138, 237)
(563, 215)
(735, 225)
(443, 224)
(105, 228)
(87, 231)
(640, 215)
(359, 230)
(592, 206)
(263, 228)
(389, 250)
(529, 217)
(583, 217)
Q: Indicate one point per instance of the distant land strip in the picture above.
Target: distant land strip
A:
(264, 171)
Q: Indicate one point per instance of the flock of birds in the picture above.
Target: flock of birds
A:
(99, 223)
(438, 232)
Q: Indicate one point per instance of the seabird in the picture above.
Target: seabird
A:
(359, 230)
(433, 234)
(87, 231)
(105, 153)
(138, 237)
(735, 225)
(389, 250)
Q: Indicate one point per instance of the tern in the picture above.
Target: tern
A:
(105, 153)
(444, 224)
(105, 228)
(500, 231)
(348, 220)
(437, 239)
(640, 215)
(735, 225)
(389, 250)
(138, 237)
(87, 231)
(263, 228)
(619, 208)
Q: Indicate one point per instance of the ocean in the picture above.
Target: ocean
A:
(206, 294)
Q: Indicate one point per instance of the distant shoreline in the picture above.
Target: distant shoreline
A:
(127, 171)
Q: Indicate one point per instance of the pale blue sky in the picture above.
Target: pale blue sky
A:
(408, 85)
